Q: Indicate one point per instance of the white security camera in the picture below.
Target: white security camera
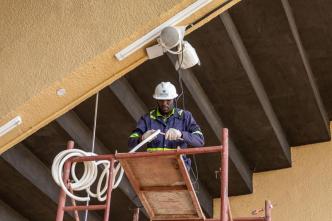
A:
(171, 40)
(171, 37)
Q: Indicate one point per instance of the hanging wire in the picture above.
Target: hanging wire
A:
(93, 142)
(180, 73)
(180, 79)
(95, 124)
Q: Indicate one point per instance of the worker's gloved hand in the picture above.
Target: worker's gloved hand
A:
(147, 134)
(173, 134)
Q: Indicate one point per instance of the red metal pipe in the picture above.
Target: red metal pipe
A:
(196, 150)
(136, 214)
(79, 208)
(217, 219)
(109, 191)
(241, 219)
(224, 176)
(268, 210)
(77, 218)
(93, 158)
(62, 194)
(189, 151)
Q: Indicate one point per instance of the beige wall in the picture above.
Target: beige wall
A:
(300, 193)
(51, 44)
(42, 41)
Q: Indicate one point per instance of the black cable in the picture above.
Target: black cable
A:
(180, 80)
(183, 107)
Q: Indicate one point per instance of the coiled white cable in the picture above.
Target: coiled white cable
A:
(90, 172)
(88, 178)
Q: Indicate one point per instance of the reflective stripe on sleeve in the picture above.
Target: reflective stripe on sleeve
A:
(134, 135)
(197, 132)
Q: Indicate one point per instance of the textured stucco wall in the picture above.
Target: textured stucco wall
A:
(41, 41)
(300, 193)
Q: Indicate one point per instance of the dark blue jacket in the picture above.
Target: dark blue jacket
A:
(178, 119)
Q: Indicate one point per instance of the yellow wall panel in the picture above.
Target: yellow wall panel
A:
(300, 193)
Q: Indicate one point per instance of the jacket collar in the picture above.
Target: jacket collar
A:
(154, 114)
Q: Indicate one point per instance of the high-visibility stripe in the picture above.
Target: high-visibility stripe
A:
(155, 113)
(151, 149)
(197, 132)
(134, 135)
(152, 116)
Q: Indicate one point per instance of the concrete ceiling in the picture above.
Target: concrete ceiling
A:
(264, 75)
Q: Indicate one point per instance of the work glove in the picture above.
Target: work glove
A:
(173, 134)
(147, 134)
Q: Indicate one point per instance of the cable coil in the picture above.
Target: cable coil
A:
(90, 172)
(89, 175)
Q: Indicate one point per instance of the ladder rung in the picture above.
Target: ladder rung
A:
(90, 207)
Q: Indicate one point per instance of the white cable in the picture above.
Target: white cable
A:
(90, 172)
(178, 51)
(88, 178)
(148, 139)
(116, 184)
(95, 124)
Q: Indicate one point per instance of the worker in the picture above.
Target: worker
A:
(178, 126)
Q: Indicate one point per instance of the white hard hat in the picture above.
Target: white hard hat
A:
(165, 91)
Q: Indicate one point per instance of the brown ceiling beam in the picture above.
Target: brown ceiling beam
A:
(256, 83)
(207, 109)
(80, 133)
(136, 108)
(9, 214)
(297, 38)
(31, 168)
(128, 97)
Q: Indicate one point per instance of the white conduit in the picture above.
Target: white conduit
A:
(90, 172)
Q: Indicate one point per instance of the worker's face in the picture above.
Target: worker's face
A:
(165, 106)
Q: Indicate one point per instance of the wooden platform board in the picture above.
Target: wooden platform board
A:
(163, 185)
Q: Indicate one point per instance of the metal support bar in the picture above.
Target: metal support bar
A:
(224, 177)
(77, 218)
(189, 151)
(239, 219)
(213, 219)
(109, 191)
(268, 210)
(136, 214)
(62, 194)
(80, 208)
(196, 150)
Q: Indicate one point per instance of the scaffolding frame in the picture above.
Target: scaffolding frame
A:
(225, 211)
